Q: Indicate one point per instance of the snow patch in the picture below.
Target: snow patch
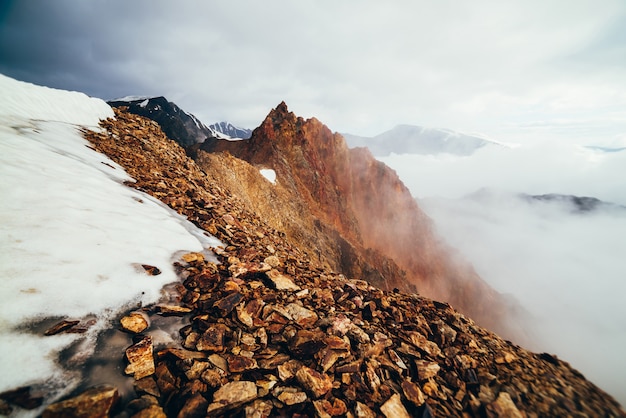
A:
(72, 236)
(269, 174)
(144, 103)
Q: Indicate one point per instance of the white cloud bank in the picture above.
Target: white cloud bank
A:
(566, 268)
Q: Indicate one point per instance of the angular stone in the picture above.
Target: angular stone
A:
(304, 317)
(153, 411)
(259, 409)
(363, 411)
(60, 327)
(288, 369)
(135, 322)
(238, 364)
(289, 395)
(424, 344)
(314, 382)
(212, 339)
(426, 369)
(413, 393)
(151, 270)
(503, 406)
(93, 403)
(172, 310)
(140, 359)
(394, 408)
(307, 343)
(324, 408)
(281, 281)
(147, 385)
(195, 407)
(230, 396)
(192, 258)
(228, 303)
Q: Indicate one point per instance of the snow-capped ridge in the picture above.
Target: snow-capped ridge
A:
(412, 139)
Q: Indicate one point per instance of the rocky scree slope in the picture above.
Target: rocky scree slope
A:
(271, 332)
(354, 209)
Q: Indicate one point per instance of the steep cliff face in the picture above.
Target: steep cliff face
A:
(353, 209)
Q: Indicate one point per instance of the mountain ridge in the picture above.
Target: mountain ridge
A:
(412, 139)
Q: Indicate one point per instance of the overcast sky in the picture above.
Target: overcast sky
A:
(514, 70)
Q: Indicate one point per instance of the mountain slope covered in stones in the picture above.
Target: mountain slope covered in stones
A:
(269, 328)
(273, 332)
(352, 209)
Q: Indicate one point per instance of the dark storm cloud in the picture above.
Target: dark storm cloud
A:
(360, 67)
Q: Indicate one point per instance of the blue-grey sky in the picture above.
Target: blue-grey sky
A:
(514, 71)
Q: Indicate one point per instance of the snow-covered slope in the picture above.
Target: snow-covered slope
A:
(231, 130)
(409, 139)
(73, 236)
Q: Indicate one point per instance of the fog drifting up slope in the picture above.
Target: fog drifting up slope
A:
(565, 267)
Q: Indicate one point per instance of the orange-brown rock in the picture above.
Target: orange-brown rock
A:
(351, 208)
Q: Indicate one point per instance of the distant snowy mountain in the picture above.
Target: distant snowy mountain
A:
(231, 131)
(409, 139)
(177, 124)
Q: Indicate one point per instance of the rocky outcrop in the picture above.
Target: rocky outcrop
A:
(273, 332)
(352, 208)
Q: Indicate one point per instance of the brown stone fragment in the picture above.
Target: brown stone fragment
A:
(306, 343)
(281, 281)
(289, 395)
(426, 369)
(140, 359)
(135, 322)
(502, 407)
(212, 339)
(304, 317)
(424, 344)
(166, 381)
(192, 258)
(151, 270)
(363, 411)
(324, 408)
(288, 369)
(61, 327)
(148, 386)
(394, 408)
(172, 310)
(195, 407)
(93, 403)
(259, 409)
(230, 396)
(153, 411)
(238, 364)
(413, 392)
(273, 362)
(228, 303)
(316, 383)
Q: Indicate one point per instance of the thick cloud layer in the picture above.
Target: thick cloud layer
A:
(565, 267)
(509, 70)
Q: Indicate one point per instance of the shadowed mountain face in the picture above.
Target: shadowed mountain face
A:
(351, 208)
(177, 124)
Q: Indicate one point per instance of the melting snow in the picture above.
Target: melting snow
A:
(71, 234)
(269, 174)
